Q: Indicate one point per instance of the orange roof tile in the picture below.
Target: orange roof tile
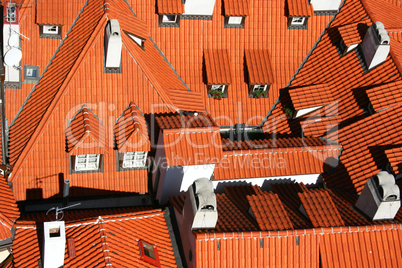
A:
(131, 131)
(50, 12)
(8, 205)
(394, 156)
(170, 7)
(300, 8)
(236, 7)
(5, 227)
(86, 134)
(177, 121)
(311, 96)
(384, 11)
(259, 66)
(352, 33)
(193, 146)
(217, 65)
(269, 212)
(99, 241)
(320, 208)
(386, 95)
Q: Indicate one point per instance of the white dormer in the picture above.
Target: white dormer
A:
(113, 44)
(54, 244)
(325, 5)
(376, 45)
(380, 198)
(199, 7)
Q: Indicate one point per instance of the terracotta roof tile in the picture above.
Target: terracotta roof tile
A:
(384, 96)
(86, 134)
(236, 7)
(49, 12)
(131, 131)
(394, 156)
(259, 66)
(217, 65)
(269, 212)
(320, 208)
(8, 205)
(102, 240)
(300, 8)
(311, 96)
(177, 121)
(352, 34)
(197, 146)
(384, 11)
(170, 7)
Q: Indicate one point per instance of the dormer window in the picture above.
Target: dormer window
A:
(169, 20)
(86, 162)
(260, 74)
(50, 31)
(235, 13)
(132, 160)
(234, 22)
(11, 13)
(149, 253)
(259, 91)
(219, 74)
(298, 14)
(350, 37)
(297, 23)
(137, 39)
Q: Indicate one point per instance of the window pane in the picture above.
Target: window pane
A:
(235, 20)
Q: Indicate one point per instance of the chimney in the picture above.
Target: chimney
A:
(201, 204)
(54, 244)
(325, 6)
(66, 191)
(201, 8)
(380, 198)
(376, 45)
(113, 44)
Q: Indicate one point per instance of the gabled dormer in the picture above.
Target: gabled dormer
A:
(169, 12)
(219, 74)
(235, 12)
(325, 7)
(350, 37)
(298, 14)
(260, 74)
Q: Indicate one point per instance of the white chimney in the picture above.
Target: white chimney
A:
(113, 44)
(380, 198)
(325, 5)
(54, 244)
(376, 45)
(199, 7)
(201, 204)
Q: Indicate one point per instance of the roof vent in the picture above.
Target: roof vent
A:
(380, 198)
(202, 200)
(54, 245)
(113, 44)
(376, 45)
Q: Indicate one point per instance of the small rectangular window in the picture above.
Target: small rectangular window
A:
(298, 20)
(169, 18)
(50, 31)
(134, 159)
(260, 87)
(31, 73)
(220, 88)
(87, 162)
(12, 13)
(149, 253)
(235, 20)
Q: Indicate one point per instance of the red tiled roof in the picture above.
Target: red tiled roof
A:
(177, 121)
(131, 131)
(236, 7)
(102, 240)
(273, 160)
(384, 96)
(299, 8)
(394, 156)
(384, 11)
(217, 66)
(259, 66)
(170, 7)
(51, 12)
(8, 206)
(351, 34)
(192, 146)
(320, 208)
(311, 96)
(5, 227)
(86, 134)
(264, 206)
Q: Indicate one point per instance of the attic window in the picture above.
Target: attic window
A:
(259, 91)
(54, 232)
(218, 91)
(234, 22)
(297, 22)
(219, 74)
(11, 13)
(31, 73)
(169, 20)
(86, 162)
(50, 31)
(149, 253)
(133, 160)
(138, 40)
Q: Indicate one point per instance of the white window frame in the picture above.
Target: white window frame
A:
(296, 21)
(165, 18)
(235, 20)
(86, 162)
(134, 159)
(220, 88)
(260, 87)
(50, 29)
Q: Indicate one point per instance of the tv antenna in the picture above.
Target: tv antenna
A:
(61, 211)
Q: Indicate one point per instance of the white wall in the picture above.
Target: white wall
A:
(325, 5)
(199, 7)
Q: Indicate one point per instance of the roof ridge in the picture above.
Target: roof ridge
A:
(36, 124)
(105, 245)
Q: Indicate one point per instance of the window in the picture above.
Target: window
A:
(169, 20)
(149, 253)
(298, 20)
(134, 159)
(218, 92)
(220, 88)
(87, 162)
(31, 73)
(54, 232)
(260, 87)
(258, 91)
(50, 31)
(234, 22)
(12, 13)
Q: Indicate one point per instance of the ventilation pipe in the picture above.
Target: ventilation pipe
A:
(54, 244)
(376, 45)
(380, 198)
(113, 44)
